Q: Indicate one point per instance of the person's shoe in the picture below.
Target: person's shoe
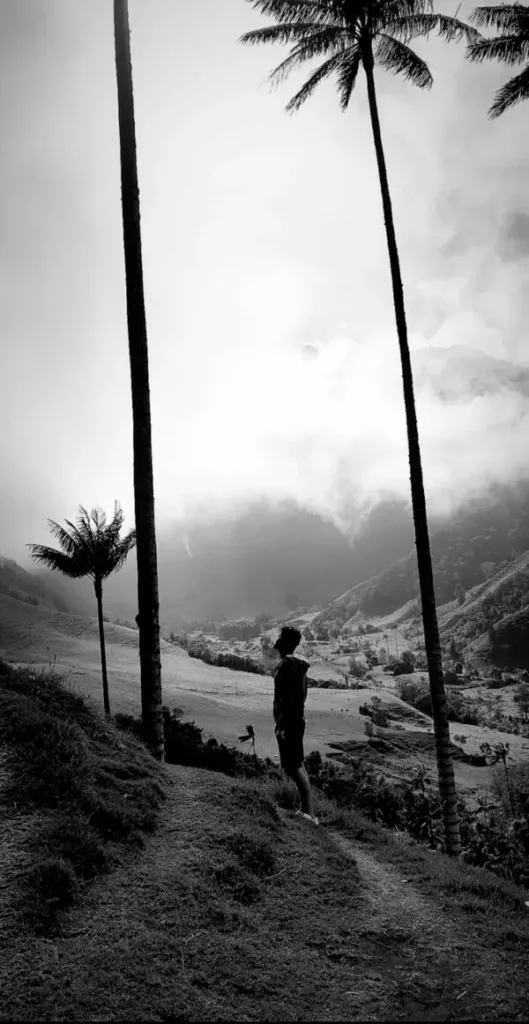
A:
(309, 817)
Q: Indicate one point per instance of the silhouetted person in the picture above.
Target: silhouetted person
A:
(290, 693)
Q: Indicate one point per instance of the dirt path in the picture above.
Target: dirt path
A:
(417, 944)
(335, 934)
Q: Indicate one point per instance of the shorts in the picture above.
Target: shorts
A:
(291, 752)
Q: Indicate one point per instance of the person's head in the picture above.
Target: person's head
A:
(287, 640)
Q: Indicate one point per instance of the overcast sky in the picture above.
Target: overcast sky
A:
(262, 234)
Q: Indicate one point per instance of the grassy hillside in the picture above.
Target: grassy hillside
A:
(478, 543)
(37, 589)
(231, 908)
(74, 794)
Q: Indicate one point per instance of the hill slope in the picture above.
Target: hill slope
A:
(236, 910)
(38, 589)
(472, 548)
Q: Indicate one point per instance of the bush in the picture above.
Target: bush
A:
(496, 843)
(225, 659)
(357, 668)
(413, 691)
(184, 745)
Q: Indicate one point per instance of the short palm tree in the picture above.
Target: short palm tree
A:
(89, 547)
(352, 35)
(511, 47)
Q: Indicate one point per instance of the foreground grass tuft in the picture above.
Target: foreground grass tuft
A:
(91, 790)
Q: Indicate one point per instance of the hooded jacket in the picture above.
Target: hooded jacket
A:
(290, 692)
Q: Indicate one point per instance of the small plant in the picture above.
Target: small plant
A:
(494, 753)
(249, 735)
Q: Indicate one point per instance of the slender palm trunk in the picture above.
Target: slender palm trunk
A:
(445, 766)
(99, 598)
(148, 602)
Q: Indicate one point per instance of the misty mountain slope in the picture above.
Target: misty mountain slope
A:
(494, 618)
(37, 588)
(476, 544)
(264, 559)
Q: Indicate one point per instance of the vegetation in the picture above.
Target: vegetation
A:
(184, 744)
(470, 550)
(90, 547)
(87, 792)
(224, 659)
(497, 841)
(148, 602)
(510, 47)
(239, 630)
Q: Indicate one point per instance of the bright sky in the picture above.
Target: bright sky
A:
(262, 234)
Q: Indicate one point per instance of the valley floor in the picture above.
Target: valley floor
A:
(344, 928)
(220, 700)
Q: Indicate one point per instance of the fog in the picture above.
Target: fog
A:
(274, 363)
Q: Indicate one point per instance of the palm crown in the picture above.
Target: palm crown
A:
(90, 547)
(350, 32)
(511, 47)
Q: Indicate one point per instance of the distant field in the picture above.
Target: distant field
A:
(220, 700)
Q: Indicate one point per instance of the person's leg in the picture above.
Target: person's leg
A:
(300, 777)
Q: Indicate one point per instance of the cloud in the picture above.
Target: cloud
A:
(273, 356)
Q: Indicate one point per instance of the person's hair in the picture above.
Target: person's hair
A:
(289, 638)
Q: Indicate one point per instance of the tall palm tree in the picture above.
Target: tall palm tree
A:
(90, 547)
(350, 35)
(148, 601)
(511, 47)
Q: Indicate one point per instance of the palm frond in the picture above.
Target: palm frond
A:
(395, 56)
(315, 45)
(114, 528)
(514, 91)
(347, 75)
(414, 25)
(503, 17)
(117, 555)
(282, 34)
(319, 75)
(508, 49)
(404, 8)
(320, 12)
(57, 560)
(81, 529)
(66, 540)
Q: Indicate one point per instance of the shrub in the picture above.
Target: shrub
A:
(184, 745)
(357, 668)
(414, 807)
(412, 691)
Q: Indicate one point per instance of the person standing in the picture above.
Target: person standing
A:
(290, 693)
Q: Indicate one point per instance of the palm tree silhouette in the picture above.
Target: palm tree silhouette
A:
(148, 600)
(90, 547)
(351, 35)
(511, 47)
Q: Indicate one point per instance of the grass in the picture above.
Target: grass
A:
(235, 909)
(88, 791)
